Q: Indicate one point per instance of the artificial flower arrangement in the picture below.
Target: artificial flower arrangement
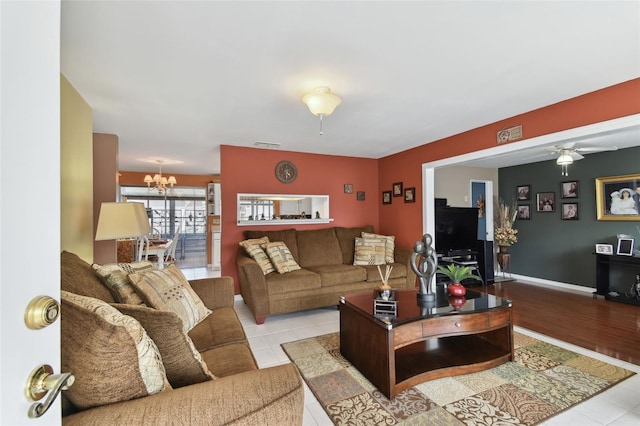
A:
(505, 234)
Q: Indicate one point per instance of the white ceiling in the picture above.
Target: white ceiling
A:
(175, 79)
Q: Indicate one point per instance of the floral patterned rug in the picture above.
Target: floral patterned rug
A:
(543, 381)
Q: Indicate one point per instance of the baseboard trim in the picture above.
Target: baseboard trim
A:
(550, 283)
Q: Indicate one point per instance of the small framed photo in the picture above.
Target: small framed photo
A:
(360, 195)
(386, 197)
(397, 189)
(569, 211)
(604, 249)
(524, 212)
(625, 247)
(618, 198)
(348, 188)
(523, 192)
(410, 195)
(569, 189)
(546, 201)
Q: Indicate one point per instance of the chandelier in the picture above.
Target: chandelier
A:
(321, 102)
(161, 183)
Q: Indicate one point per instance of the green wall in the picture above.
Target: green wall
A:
(562, 250)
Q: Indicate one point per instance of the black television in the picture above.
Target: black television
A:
(456, 231)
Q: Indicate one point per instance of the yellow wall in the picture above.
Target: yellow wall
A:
(76, 173)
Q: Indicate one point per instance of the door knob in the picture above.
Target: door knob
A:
(43, 382)
(41, 312)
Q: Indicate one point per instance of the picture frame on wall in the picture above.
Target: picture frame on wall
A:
(386, 197)
(569, 189)
(604, 249)
(524, 212)
(523, 192)
(410, 195)
(348, 188)
(570, 211)
(618, 198)
(397, 189)
(546, 202)
(360, 195)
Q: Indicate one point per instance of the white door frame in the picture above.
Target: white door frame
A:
(488, 205)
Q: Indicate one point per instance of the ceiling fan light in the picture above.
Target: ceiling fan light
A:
(321, 101)
(564, 160)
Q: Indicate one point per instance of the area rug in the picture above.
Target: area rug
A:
(541, 382)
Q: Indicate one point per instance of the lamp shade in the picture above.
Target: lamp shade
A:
(321, 101)
(122, 220)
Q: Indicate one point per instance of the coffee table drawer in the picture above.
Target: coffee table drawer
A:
(454, 324)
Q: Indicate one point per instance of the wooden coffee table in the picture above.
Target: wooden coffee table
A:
(424, 343)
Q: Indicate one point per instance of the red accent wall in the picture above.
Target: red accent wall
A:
(252, 170)
(405, 220)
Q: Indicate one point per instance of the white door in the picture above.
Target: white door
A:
(29, 197)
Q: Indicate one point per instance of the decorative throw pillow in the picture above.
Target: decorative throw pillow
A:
(114, 275)
(390, 245)
(110, 354)
(183, 363)
(168, 290)
(255, 249)
(369, 251)
(281, 257)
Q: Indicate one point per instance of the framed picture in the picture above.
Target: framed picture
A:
(569, 211)
(360, 195)
(546, 202)
(618, 198)
(348, 188)
(523, 192)
(569, 189)
(397, 189)
(410, 195)
(625, 247)
(524, 212)
(604, 248)
(386, 197)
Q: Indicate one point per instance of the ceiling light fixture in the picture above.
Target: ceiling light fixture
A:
(564, 160)
(321, 102)
(160, 181)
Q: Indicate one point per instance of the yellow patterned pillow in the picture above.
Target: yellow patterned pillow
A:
(168, 290)
(255, 249)
(390, 245)
(114, 275)
(281, 257)
(369, 251)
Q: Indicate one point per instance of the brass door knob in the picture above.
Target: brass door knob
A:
(42, 382)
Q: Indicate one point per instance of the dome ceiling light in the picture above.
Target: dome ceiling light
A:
(321, 102)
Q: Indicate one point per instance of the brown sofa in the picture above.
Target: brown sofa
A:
(240, 392)
(326, 258)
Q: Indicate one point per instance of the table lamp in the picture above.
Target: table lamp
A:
(122, 220)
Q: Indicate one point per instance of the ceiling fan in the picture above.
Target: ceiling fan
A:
(568, 153)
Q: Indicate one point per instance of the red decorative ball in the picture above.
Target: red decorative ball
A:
(456, 289)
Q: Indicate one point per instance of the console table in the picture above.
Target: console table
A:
(603, 264)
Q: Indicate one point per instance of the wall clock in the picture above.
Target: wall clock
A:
(286, 171)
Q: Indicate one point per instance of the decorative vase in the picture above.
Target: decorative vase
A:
(457, 301)
(504, 258)
(456, 289)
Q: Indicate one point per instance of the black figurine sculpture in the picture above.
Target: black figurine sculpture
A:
(425, 268)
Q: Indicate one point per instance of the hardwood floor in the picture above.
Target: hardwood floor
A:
(607, 327)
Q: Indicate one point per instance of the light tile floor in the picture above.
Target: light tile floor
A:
(618, 406)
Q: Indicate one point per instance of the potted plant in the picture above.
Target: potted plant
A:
(456, 274)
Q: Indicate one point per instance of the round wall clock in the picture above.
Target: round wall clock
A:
(286, 171)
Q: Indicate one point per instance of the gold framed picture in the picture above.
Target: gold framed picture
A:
(618, 197)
